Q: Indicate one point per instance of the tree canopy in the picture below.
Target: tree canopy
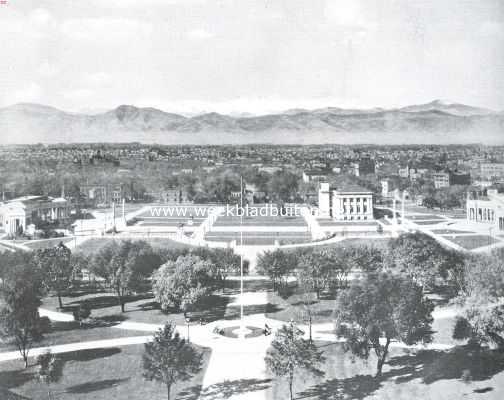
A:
(384, 306)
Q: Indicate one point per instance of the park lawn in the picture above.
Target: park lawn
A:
(70, 332)
(425, 374)
(142, 308)
(46, 243)
(380, 243)
(93, 245)
(100, 374)
(471, 242)
(293, 308)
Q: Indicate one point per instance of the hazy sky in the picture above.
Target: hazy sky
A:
(251, 55)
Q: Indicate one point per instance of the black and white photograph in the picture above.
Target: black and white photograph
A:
(251, 199)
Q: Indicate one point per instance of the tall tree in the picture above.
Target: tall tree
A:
(482, 290)
(19, 316)
(289, 353)
(169, 358)
(418, 256)
(381, 308)
(125, 265)
(183, 283)
(56, 268)
(278, 265)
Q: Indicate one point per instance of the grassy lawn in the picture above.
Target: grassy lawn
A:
(380, 243)
(470, 242)
(99, 374)
(293, 308)
(70, 332)
(143, 308)
(92, 246)
(422, 375)
(46, 243)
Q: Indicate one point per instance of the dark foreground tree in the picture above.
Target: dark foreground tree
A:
(169, 358)
(289, 353)
(19, 316)
(379, 309)
(482, 290)
(56, 268)
(420, 257)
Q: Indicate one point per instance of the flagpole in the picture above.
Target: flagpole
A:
(242, 328)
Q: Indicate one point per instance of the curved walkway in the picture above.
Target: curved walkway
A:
(231, 360)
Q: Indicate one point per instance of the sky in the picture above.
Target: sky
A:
(253, 56)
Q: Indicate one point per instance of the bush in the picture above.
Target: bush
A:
(45, 325)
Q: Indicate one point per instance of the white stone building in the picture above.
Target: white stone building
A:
(487, 209)
(348, 203)
(17, 214)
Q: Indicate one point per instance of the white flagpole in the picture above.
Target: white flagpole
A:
(242, 328)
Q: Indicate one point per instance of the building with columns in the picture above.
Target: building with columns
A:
(486, 209)
(17, 214)
(347, 203)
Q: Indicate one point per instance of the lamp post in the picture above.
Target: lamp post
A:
(187, 320)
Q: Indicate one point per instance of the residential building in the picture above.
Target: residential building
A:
(492, 170)
(314, 175)
(102, 194)
(441, 179)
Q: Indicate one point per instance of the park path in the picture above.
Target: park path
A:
(236, 369)
(65, 348)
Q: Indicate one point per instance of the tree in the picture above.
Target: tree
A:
(50, 370)
(314, 271)
(56, 268)
(278, 265)
(289, 353)
(226, 261)
(482, 290)
(382, 307)
(125, 265)
(183, 283)
(418, 256)
(169, 359)
(19, 316)
(81, 312)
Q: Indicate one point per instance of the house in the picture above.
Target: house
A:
(103, 194)
(18, 214)
(315, 175)
(347, 203)
(492, 170)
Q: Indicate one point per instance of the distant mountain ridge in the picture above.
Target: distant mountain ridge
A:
(434, 122)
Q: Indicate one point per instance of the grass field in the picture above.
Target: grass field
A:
(92, 246)
(46, 243)
(471, 242)
(407, 375)
(260, 238)
(70, 332)
(99, 374)
(260, 221)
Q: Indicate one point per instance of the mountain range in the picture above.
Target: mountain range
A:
(434, 122)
